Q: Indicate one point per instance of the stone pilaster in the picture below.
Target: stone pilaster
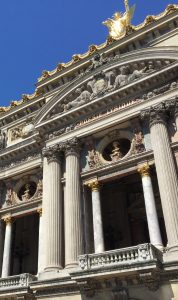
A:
(166, 171)
(97, 217)
(72, 206)
(52, 209)
(150, 205)
(7, 247)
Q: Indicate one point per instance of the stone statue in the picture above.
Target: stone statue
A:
(122, 78)
(116, 153)
(98, 85)
(110, 76)
(120, 22)
(84, 97)
(140, 73)
(97, 61)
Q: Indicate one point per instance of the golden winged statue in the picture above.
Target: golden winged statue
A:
(118, 25)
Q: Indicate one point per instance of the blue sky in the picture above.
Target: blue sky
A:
(35, 35)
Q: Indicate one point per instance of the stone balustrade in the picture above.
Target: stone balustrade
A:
(21, 280)
(125, 256)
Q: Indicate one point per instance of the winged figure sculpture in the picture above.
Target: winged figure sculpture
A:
(118, 25)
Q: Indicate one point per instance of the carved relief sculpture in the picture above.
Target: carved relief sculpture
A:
(83, 97)
(93, 159)
(98, 85)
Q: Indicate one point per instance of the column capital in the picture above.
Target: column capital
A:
(53, 154)
(94, 185)
(156, 114)
(7, 219)
(144, 170)
(72, 147)
(40, 211)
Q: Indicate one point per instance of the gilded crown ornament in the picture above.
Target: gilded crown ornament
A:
(121, 22)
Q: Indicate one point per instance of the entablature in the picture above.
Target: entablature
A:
(96, 122)
(21, 209)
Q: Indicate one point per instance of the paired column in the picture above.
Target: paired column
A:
(151, 213)
(7, 247)
(97, 217)
(166, 171)
(72, 206)
(52, 209)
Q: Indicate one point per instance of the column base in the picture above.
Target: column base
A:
(52, 274)
(72, 265)
(159, 247)
(171, 255)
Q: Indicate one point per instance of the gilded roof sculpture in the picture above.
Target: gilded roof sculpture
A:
(120, 22)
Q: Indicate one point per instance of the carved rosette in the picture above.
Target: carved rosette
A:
(72, 147)
(53, 154)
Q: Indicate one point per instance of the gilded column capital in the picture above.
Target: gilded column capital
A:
(94, 185)
(40, 211)
(53, 154)
(156, 114)
(72, 147)
(144, 170)
(7, 219)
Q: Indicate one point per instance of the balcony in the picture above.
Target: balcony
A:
(18, 281)
(141, 256)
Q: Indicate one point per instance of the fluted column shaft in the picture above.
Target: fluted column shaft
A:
(97, 217)
(167, 177)
(150, 205)
(7, 248)
(72, 208)
(52, 209)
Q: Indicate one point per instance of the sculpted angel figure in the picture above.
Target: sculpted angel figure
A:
(118, 25)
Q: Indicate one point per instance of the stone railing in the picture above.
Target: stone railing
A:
(21, 280)
(125, 256)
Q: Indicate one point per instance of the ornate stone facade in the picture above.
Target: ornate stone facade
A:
(88, 182)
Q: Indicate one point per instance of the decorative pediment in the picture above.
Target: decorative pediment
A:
(104, 78)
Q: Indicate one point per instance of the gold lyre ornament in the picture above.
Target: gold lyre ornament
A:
(120, 22)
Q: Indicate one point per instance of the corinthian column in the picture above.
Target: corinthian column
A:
(166, 172)
(52, 209)
(97, 217)
(7, 247)
(72, 206)
(150, 205)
